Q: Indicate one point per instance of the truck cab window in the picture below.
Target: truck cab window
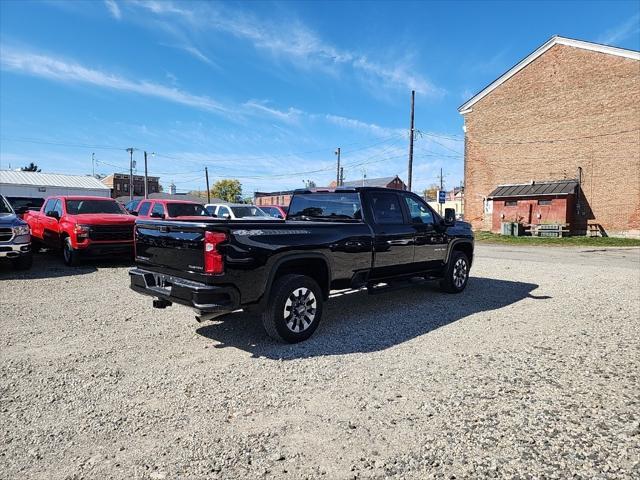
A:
(158, 209)
(386, 208)
(418, 211)
(144, 209)
(58, 207)
(49, 206)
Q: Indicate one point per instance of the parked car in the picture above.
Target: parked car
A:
(275, 211)
(168, 209)
(236, 211)
(22, 204)
(82, 226)
(349, 238)
(15, 240)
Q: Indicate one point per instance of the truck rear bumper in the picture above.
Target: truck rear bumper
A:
(202, 297)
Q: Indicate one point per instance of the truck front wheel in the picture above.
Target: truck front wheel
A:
(69, 254)
(294, 309)
(456, 273)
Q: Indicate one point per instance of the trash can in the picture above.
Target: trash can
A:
(507, 229)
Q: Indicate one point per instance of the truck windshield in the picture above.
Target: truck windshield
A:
(4, 206)
(325, 206)
(248, 211)
(186, 210)
(76, 207)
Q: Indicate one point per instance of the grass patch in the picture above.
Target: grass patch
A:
(487, 237)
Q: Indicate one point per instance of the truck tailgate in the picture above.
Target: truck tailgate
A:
(170, 246)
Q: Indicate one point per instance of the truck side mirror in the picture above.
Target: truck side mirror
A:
(134, 213)
(53, 214)
(449, 216)
(226, 216)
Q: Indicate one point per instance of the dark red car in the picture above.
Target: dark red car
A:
(168, 209)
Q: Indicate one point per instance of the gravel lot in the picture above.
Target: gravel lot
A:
(533, 372)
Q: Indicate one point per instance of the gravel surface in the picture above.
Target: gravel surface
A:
(532, 372)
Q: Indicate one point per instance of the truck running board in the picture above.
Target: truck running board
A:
(392, 285)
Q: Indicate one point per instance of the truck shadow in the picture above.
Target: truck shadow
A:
(358, 323)
(50, 265)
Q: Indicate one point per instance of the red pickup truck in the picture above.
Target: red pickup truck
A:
(82, 226)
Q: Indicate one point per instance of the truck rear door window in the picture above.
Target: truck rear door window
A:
(325, 206)
(386, 208)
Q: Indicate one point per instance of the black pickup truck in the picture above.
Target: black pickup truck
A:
(335, 239)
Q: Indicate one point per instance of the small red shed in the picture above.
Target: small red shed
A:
(536, 203)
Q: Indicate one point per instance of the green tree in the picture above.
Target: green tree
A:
(228, 190)
(32, 167)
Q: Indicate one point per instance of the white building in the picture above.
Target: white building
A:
(42, 185)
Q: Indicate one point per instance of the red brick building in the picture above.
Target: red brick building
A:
(537, 203)
(119, 184)
(273, 198)
(568, 111)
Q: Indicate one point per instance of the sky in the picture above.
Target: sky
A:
(265, 91)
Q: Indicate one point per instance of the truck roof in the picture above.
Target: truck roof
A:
(82, 197)
(345, 189)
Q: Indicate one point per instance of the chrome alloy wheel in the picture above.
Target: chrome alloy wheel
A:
(300, 309)
(460, 273)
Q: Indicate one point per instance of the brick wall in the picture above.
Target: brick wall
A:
(280, 200)
(567, 93)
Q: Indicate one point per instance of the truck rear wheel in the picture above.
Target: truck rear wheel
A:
(294, 308)
(456, 273)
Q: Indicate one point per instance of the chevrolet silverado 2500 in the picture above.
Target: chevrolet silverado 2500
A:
(285, 269)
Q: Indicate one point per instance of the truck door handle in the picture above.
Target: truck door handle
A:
(354, 244)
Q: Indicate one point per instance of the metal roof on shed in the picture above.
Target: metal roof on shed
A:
(11, 177)
(565, 187)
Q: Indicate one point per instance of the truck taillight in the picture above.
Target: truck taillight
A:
(213, 260)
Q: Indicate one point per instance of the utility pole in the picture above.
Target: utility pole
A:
(337, 152)
(413, 97)
(206, 176)
(341, 176)
(441, 188)
(146, 193)
(93, 164)
(130, 150)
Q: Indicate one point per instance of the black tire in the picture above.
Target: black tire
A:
(302, 297)
(456, 273)
(69, 254)
(23, 262)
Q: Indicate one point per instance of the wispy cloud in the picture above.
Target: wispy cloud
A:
(53, 68)
(291, 40)
(363, 126)
(113, 8)
(623, 31)
(290, 115)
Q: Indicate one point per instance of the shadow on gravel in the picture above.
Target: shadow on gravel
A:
(358, 322)
(50, 265)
